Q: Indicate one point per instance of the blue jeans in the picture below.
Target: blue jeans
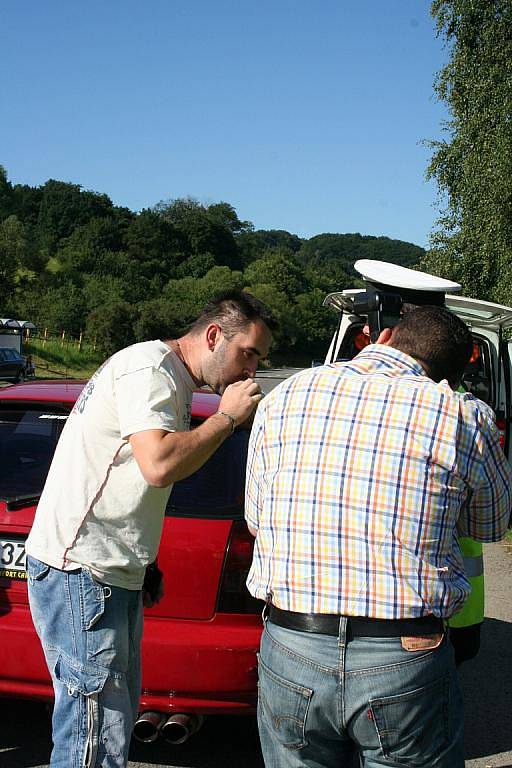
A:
(322, 698)
(91, 636)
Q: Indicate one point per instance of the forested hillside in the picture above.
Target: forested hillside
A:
(71, 260)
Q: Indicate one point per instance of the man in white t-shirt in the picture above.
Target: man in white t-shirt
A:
(100, 517)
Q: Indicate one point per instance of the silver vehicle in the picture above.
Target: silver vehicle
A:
(488, 374)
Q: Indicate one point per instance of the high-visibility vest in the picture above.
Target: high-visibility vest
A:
(472, 612)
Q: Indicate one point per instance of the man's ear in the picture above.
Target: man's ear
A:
(213, 334)
(385, 336)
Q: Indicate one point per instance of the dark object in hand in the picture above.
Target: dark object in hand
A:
(466, 642)
(152, 580)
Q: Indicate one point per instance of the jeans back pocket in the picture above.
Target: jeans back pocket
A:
(414, 727)
(284, 705)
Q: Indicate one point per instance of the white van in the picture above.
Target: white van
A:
(488, 374)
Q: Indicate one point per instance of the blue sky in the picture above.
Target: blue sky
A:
(306, 115)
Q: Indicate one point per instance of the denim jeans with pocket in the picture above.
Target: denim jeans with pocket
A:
(91, 636)
(322, 698)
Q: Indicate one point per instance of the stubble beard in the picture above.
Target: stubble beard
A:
(213, 370)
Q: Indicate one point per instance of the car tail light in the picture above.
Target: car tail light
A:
(233, 594)
(361, 340)
(475, 355)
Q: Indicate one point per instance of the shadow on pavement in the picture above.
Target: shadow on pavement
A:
(25, 734)
(486, 683)
(222, 742)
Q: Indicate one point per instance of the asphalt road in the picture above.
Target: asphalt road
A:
(229, 742)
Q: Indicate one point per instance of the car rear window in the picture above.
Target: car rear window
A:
(216, 490)
(28, 436)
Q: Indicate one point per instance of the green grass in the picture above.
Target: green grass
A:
(55, 360)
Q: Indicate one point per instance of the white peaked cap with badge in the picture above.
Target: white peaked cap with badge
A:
(414, 286)
(384, 273)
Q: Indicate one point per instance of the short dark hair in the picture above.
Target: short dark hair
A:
(233, 311)
(436, 337)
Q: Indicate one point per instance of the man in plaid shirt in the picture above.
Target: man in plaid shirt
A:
(360, 476)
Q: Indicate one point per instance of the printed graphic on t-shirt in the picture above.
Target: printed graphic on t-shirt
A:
(87, 391)
(187, 416)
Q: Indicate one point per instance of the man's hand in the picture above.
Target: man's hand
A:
(240, 399)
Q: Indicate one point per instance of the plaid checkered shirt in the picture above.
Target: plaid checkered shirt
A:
(360, 475)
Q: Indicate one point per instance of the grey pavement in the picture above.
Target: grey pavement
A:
(487, 680)
(271, 377)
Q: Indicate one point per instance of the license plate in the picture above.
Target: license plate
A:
(13, 560)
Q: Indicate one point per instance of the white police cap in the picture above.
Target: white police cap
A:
(414, 287)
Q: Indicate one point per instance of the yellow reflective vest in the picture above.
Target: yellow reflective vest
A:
(472, 612)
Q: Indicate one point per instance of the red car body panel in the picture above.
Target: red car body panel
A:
(195, 658)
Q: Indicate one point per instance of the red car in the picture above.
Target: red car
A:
(200, 642)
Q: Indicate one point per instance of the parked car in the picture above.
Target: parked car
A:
(200, 642)
(15, 367)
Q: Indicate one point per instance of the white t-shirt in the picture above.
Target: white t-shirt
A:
(96, 510)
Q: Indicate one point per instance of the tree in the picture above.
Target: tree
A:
(473, 165)
(335, 254)
(254, 244)
(225, 214)
(27, 202)
(6, 195)
(205, 231)
(110, 326)
(287, 333)
(188, 295)
(66, 206)
(279, 268)
(158, 319)
(59, 308)
(101, 289)
(92, 248)
(13, 246)
(196, 265)
(316, 322)
(154, 245)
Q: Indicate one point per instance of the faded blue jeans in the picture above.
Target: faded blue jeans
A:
(91, 636)
(323, 698)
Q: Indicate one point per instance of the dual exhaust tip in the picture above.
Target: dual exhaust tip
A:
(175, 729)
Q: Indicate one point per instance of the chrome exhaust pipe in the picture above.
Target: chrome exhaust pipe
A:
(178, 728)
(147, 726)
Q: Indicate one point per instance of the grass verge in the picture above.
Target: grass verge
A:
(55, 360)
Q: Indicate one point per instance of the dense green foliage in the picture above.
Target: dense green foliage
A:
(71, 260)
(473, 166)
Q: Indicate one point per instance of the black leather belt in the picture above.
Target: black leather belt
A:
(357, 626)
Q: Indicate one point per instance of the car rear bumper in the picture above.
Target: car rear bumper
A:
(203, 667)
